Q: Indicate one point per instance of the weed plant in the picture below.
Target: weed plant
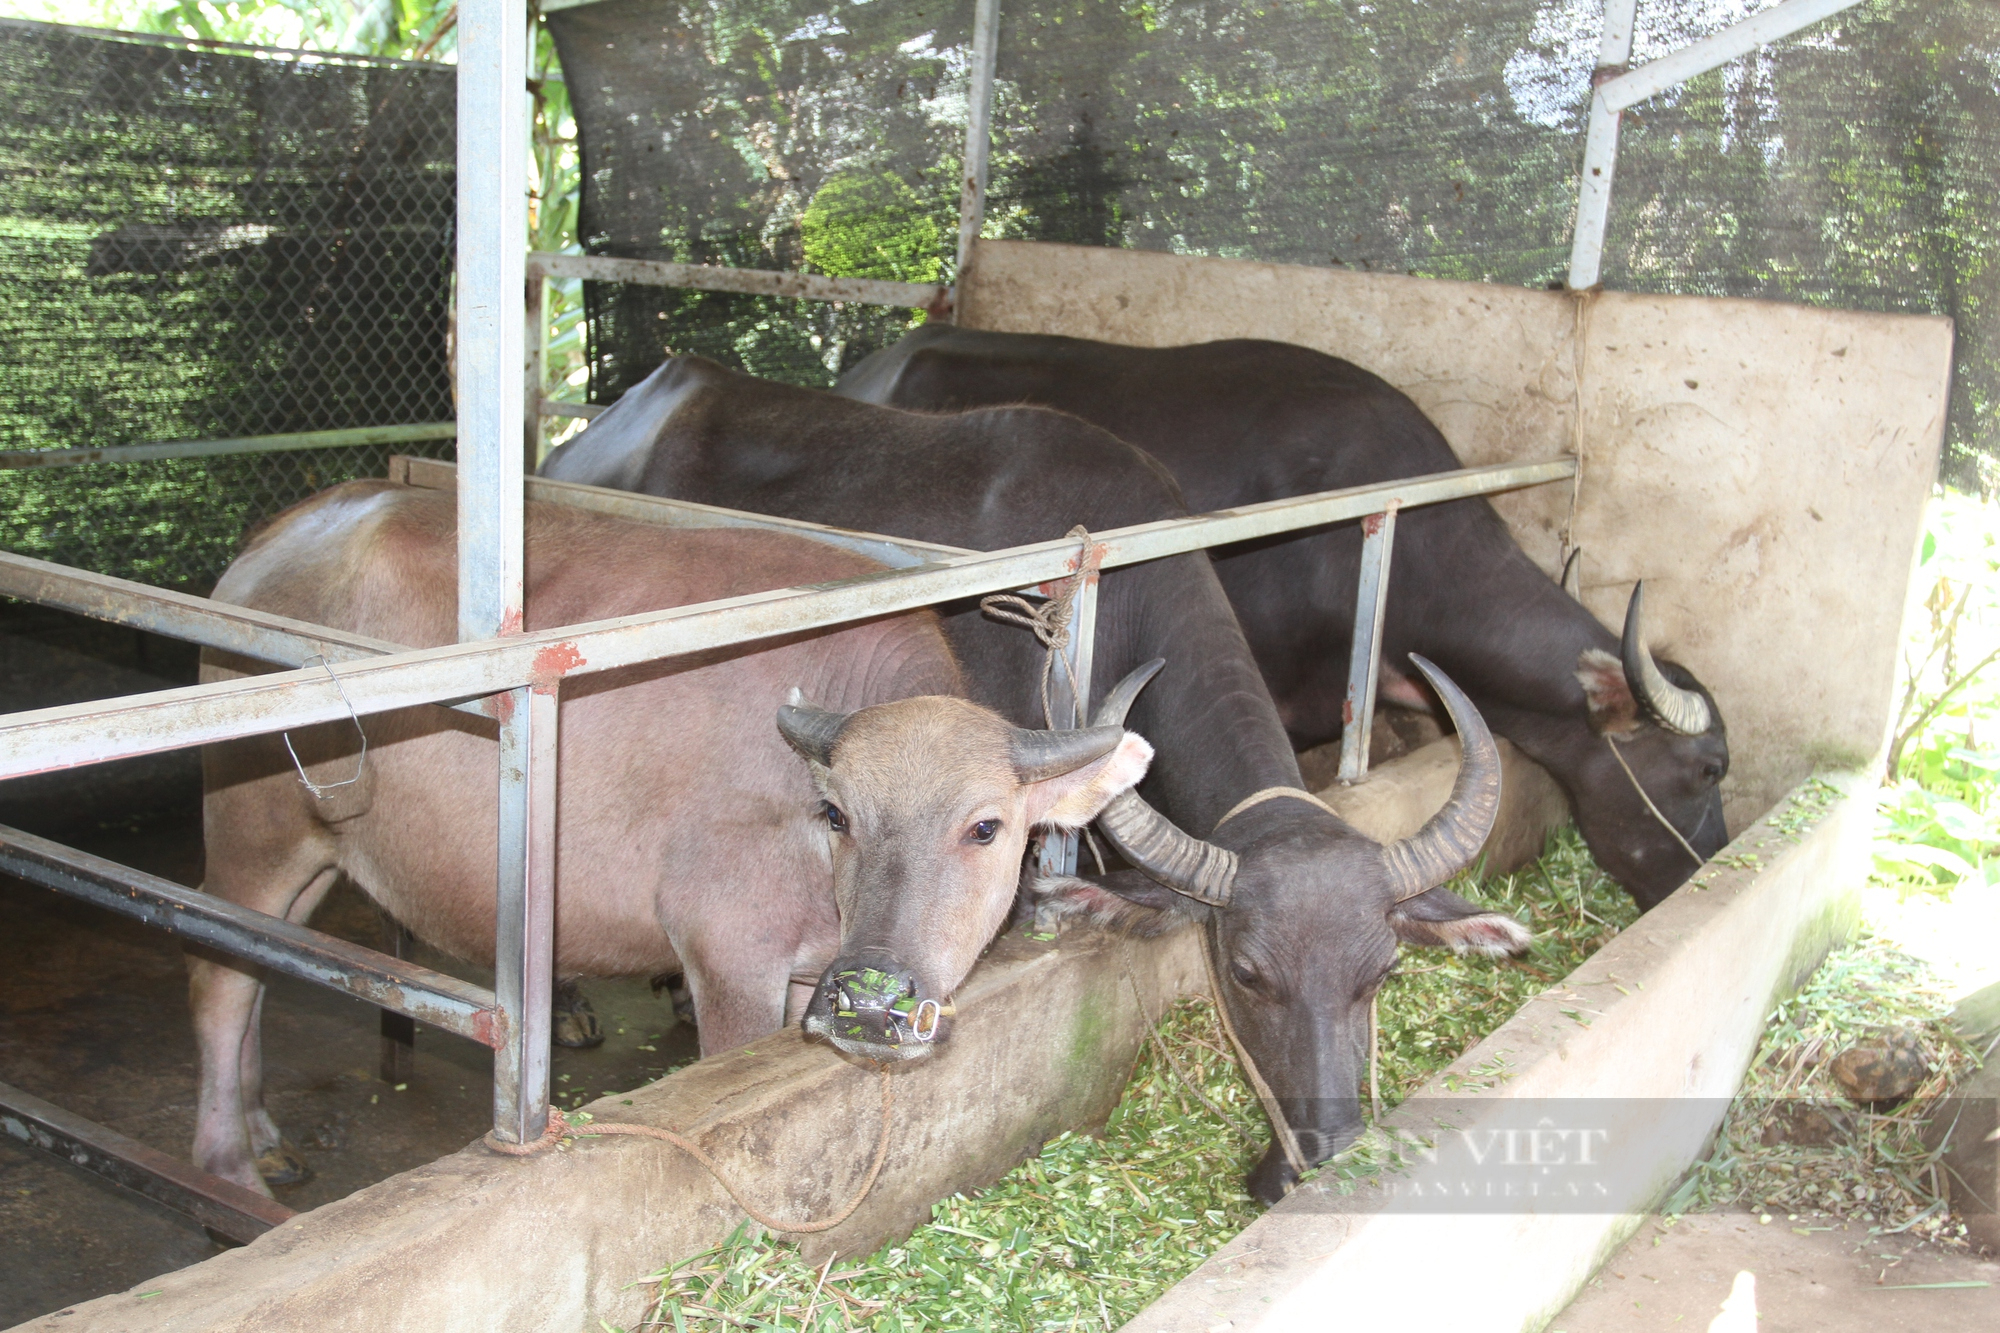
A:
(1793, 1144)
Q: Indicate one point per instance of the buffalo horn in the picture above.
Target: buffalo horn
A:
(1682, 711)
(1454, 835)
(1572, 575)
(1154, 844)
(809, 730)
(1048, 754)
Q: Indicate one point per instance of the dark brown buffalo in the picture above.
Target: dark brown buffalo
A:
(1246, 421)
(1315, 908)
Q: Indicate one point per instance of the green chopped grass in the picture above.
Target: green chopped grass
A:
(1089, 1232)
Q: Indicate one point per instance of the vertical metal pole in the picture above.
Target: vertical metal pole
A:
(535, 344)
(492, 270)
(524, 934)
(978, 132)
(492, 259)
(1600, 148)
(1069, 697)
(399, 1031)
(1357, 716)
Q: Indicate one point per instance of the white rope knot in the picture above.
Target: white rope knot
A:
(1049, 621)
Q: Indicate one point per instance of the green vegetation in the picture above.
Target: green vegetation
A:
(1093, 1229)
(1938, 823)
(871, 225)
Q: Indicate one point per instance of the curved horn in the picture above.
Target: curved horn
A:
(1154, 844)
(1449, 842)
(1048, 754)
(809, 730)
(1572, 575)
(1158, 847)
(1111, 713)
(1682, 711)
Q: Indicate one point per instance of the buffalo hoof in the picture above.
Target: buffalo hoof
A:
(573, 1023)
(674, 984)
(283, 1165)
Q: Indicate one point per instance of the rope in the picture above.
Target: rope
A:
(1049, 622)
(1374, 1060)
(1272, 794)
(1280, 1129)
(1153, 1031)
(1699, 859)
(559, 1129)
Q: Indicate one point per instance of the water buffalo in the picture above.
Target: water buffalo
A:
(1314, 908)
(1245, 421)
(692, 839)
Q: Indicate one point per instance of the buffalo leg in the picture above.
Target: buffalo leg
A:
(737, 998)
(232, 1128)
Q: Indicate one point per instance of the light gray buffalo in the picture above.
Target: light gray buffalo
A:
(691, 836)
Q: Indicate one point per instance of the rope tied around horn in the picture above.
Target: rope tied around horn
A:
(1049, 622)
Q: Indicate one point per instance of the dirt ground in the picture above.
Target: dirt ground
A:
(93, 1017)
(1806, 1277)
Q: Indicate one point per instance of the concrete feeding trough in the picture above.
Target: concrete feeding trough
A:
(1763, 467)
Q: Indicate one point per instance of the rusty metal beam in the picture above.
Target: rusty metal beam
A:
(218, 1204)
(54, 738)
(429, 997)
(896, 552)
(177, 615)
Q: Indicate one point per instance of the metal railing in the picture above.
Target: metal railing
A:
(528, 670)
(516, 677)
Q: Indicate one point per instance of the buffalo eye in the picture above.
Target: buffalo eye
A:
(835, 820)
(982, 832)
(1242, 973)
(1712, 771)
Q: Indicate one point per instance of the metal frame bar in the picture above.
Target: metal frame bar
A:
(1069, 690)
(896, 552)
(78, 734)
(524, 941)
(496, 430)
(1615, 89)
(978, 132)
(283, 946)
(353, 437)
(218, 1204)
(525, 670)
(742, 281)
(1364, 662)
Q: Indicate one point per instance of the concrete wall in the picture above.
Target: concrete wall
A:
(1762, 466)
(1044, 1042)
(1646, 1041)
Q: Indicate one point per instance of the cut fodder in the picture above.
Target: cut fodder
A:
(1796, 1144)
(1092, 1230)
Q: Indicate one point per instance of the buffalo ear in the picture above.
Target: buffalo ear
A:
(1071, 800)
(1607, 694)
(1125, 901)
(1440, 919)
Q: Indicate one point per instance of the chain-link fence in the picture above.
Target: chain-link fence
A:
(1856, 164)
(202, 243)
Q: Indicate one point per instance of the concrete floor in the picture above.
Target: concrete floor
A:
(93, 1017)
(1806, 1277)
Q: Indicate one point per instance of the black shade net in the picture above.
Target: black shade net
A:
(202, 244)
(1856, 164)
